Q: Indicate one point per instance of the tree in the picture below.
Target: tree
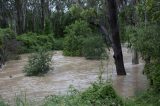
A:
(19, 14)
(42, 14)
(135, 56)
(4, 13)
(118, 56)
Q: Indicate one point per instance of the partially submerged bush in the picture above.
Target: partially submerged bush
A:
(73, 46)
(94, 48)
(9, 46)
(96, 95)
(38, 64)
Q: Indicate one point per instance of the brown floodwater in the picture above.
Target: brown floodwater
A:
(76, 71)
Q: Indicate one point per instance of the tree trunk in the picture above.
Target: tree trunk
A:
(135, 59)
(19, 20)
(116, 45)
(42, 14)
(3, 23)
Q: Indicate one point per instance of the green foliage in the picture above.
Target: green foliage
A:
(47, 27)
(147, 98)
(151, 9)
(79, 28)
(21, 100)
(146, 40)
(126, 18)
(9, 46)
(6, 34)
(38, 64)
(96, 95)
(75, 11)
(2, 103)
(75, 33)
(94, 48)
(32, 41)
(58, 44)
(152, 70)
(73, 46)
(88, 14)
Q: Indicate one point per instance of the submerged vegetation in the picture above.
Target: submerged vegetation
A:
(83, 28)
(38, 64)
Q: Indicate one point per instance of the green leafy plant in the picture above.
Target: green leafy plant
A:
(152, 70)
(38, 64)
(145, 40)
(96, 95)
(75, 33)
(58, 44)
(9, 46)
(32, 41)
(2, 103)
(94, 48)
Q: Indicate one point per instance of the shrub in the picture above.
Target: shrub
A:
(74, 38)
(38, 64)
(58, 44)
(9, 46)
(152, 71)
(73, 46)
(146, 98)
(2, 103)
(94, 48)
(96, 95)
(145, 40)
(32, 41)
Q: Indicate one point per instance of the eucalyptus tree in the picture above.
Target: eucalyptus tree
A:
(6, 10)
(19, 16)
(115, 38)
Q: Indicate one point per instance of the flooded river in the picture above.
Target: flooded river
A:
(76, 71)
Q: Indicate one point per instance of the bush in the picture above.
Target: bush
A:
(146, 98)
(94, 48)
(9, 46)
(152, 71)
(145, 40)
(73, 46)
(2, 103)
(32, 41)
(75, 33)
(96, 95)
(58, 44)
(38, 64)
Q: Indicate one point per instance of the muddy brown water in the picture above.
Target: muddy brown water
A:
(76, 71)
